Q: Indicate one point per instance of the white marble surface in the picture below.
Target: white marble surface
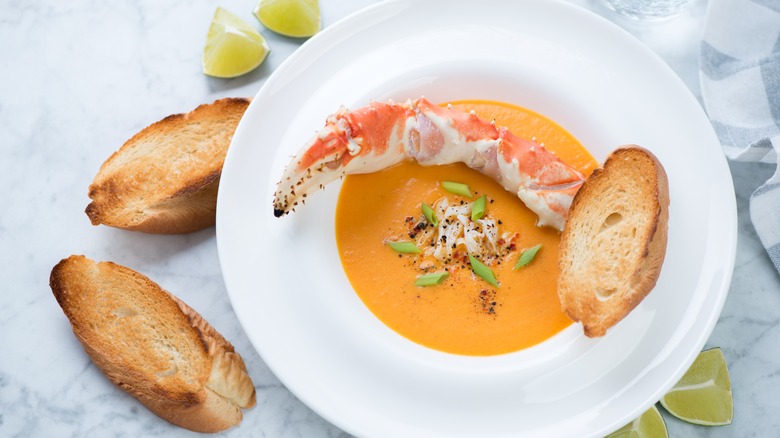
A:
(78, 78)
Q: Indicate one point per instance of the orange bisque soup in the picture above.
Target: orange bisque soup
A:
(464, 314)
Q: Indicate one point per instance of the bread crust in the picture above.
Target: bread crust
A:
(152, 345)
(165, 178)
(614, 242)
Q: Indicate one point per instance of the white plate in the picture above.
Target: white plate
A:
(290, 293)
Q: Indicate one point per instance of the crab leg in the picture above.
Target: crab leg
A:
(381, 135)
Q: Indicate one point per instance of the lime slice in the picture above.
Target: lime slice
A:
(293, 18)
(703, 395)
(233, 47)
(648, 425)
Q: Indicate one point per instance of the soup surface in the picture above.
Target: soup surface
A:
(464, 314)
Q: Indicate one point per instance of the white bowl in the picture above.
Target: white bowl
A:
(292, 297)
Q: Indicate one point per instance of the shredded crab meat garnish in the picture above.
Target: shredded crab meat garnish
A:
(457, 235)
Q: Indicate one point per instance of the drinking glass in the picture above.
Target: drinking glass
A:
(649, 9)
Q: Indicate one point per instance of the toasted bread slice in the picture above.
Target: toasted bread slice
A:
(152, 345)
(614, 241)
(165, 178)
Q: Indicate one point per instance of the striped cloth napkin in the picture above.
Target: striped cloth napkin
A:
(740, 81)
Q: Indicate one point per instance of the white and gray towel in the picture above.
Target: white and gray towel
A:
(740, 81)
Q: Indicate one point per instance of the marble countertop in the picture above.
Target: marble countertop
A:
(78, 78)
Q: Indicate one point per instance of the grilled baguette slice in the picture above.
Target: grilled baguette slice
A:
(152, 345)
(614, 241)
(164, 179)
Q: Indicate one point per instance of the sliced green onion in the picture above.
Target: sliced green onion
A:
(527, 256)
(457, 188)
(430, 215)
(478, 209)
(404, 247)
(482, 271)
(431, 279)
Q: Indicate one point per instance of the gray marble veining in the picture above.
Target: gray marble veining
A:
(78, 78)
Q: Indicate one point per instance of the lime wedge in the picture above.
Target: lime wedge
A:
(703, 395)
(293, 18)
(648, 425)
(233, 47)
